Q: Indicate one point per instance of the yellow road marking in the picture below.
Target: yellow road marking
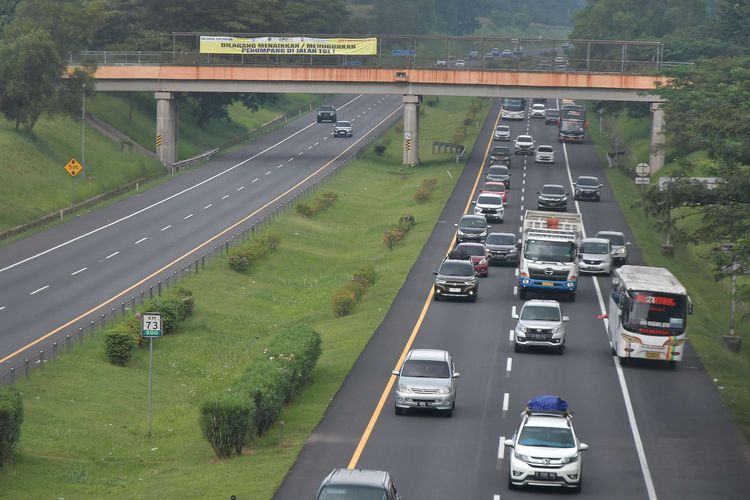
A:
(392, 379)
(190, 252)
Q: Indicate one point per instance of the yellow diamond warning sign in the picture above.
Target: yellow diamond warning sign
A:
(73, 167)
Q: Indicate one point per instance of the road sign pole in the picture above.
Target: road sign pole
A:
(150, 369)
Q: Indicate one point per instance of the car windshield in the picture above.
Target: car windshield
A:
(655, 313)
(343, 124)
(425, 368)
(500, 150)
(558, 190)
(489, 200)
(540, 313)
(555, 251)
(503, 128)
(456, 269)
(476, 250)
(326, 108)
(524, 138)
(587, 181)
(591, 247)
(498, 170)
(538, 106)
(548, 437)
(351, 492)
(614, 239)
(544, 149)
(478, 222)
(501, 239)
(553, 112)
(494, 187)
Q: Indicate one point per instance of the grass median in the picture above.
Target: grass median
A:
(84, 434)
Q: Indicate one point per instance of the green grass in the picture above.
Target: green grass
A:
(711, 298)
(84, 434)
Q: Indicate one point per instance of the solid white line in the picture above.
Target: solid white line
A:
(240, 188)
(187, 216)
(208, 206)
(267, 172)
(164, 200)
(501, 452)
(39, 290)
(225, 197)
(141, 240)
(510, 337)
(111, 255)
(506, 402)
(254, 180)
(79, 271)
(166, 227)
(509, 365)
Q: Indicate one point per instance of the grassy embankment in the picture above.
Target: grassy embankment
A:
(35, 184)
(84, 434)
(689, 264)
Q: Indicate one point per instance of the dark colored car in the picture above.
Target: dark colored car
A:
(503, 248)
(478, 255)
(498, 173)
(327, 113)
(357, 483)
(456, 278)
(587, 188)
(552, 116)
(553, 197)
(471, 228)
(500, 155)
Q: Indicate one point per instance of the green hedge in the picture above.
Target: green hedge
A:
(226, 421)
(320, 203)
(344, 300)
(245, 255)
(119, 346)
(11, 418)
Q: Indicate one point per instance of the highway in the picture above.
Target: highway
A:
(653, 432)
(60, 279)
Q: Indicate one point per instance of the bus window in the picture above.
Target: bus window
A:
(655, 314)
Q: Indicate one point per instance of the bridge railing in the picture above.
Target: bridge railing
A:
(485, 53)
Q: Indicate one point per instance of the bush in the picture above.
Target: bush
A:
(11, 418)
(422, 195)
(304, 209)
(118, 346)
(226, 421)
(171, 310)
(270, 242)
(328, 198)
(185, 296)
(366, 274)
(297, 350)
(406, 222)
(343, 303)
(243, 256)
(389, 239)
(459, 135)
(379, 149)
(239, 263)
(468, 121)
(356, 288)
(429, 184)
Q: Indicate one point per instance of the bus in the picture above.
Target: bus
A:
(513, 108)
(647, 317)
(572, 123)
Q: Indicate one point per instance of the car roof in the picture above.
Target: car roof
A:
(618, 233)
(548, 420)
(553, 185)
(524, 136)
(471, 217)
(594, 240)
(542, 303)
(494, 165)
(544, 146)
(362, 477)
(501, 234)
(326, 106)
(469, 244)
(588, 177)
(428, 354)
(495, 184)
(491, 195)
(504, 127)
(537, 104)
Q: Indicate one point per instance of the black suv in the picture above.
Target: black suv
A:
(357, 483)
(500, 155)
(456, 278)
(498, 173)
(587, 188)
(503, 247)
(552, 196)
(327, 113)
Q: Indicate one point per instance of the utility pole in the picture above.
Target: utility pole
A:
(83, 130)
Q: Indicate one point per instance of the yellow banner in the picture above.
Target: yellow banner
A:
(289, 46)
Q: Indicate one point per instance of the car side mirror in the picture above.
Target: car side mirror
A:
(566, 318)
(567, 194)
(473, 202)
(456, 375)
(518, 245)
(627, 244)
(583, 447)
(395, 372)
(515, 315)
(509, 442)
(538, 192)
(690, 305)
(489, 227)
(601, 186)
(455, 225)
(435, 273)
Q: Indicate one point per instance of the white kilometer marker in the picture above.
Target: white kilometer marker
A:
(225, 197)
(187, 216)
(143, 239)
(79, 271)
(243, 187)
(268, 172)
(39, 290)
(166, 227)
(506, 402)
(111, 255)
(513, 311)
(208, 206)
(508, 367)
(254, 180)
(510, 337)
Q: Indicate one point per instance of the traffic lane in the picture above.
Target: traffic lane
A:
(335, 439)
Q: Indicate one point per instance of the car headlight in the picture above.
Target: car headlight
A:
(444, 390)
(620, 251)
(578, 191)
(483, 262)
(403, 388)
(523, 458)
(513, 250)
(557, 329)
(472, 281)
(438, 281)
(460, 233)
(483, 233)
(521, 329)
(569, 460)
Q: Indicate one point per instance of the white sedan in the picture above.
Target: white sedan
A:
(544, 154)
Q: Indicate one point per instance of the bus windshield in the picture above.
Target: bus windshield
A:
(652, 313)
(571, 126)
(513, 104)
(555, 251)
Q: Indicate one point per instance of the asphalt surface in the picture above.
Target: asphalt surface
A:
(77, 271)
(653, 432)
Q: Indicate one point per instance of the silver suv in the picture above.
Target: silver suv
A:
(427, 379)
(342, 129)
(540, 324)
(357, 483)
(620, 247)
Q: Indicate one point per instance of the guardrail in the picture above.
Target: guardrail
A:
(179, 165)
(441, 147)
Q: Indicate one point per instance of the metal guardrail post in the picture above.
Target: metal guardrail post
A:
(12, 375)
(54, 350)
(67, 343)
(26, 367)
(41, 359)
(158, 284)
(80, 336)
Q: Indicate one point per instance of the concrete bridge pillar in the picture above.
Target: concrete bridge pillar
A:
(411, 129)
(166, 128)
(656, 152)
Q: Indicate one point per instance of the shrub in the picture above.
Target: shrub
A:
(304, 209)
(422, 195)
(264, 384)
(389, 239)
(343, 303)
(243, 256)
(459, 135)
(406, 222)
(270, 242)
(171, 310)
(328, 198)
(11, 418)
(429, 184)
(226, 421)
(366, 274)
(239, 263)
(185, 296)
(468, 121)
(379, 149)
(118, 346)
(356, 288)
(298, 350)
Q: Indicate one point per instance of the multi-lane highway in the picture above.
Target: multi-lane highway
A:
(653, 432)
(61, 278)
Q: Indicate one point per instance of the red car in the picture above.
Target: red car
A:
(496, 188)
(479, 255)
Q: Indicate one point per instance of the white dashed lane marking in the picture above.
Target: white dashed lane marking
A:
(39, 290)
(508, 367)
(79, 271)
(141, 240)
(506, 402)
(317, 143)
(111, 255)
(510, 337)
(166, 227)
(254, 180)
(291, 159)
(211, 204)
(243, 187)
(225, 197)
(267, 172)
(309, 147)
(187, 216)
(2, 307)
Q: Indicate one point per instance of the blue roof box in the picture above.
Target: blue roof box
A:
(547, 403)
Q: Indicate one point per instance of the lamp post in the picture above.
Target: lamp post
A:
(83, 129)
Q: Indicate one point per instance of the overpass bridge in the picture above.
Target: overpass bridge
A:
(410, 66)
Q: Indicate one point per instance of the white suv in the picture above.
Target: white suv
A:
(546, 451)
(491, 206)
(524, 145)
(540, 324)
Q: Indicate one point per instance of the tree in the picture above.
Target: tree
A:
(734, 22)
(7, 12)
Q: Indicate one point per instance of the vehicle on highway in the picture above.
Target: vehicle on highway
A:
(498, 173)
(503, 248)
(559, 60)
(648, 309)
(587, 188)
(495, 51)
(572, 123)
(538, 110)
(427, 379)
(499, 155)
(474, 54)
(549, 253)
(540, 324)
(551, 116)
(620, 247)
(471, 228)
(327, 113)
(491, 206)
(342, 129)
(502, 133)
(495, 188)
(596, 256)
(506, 53)
(513, 108)
(546, 450)
(441, 63)
(344, 484)
(524, 145)
(539, 100)
(478, 255)
(456, 278)
(552, 197)
(544, 154)
(460, 63)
